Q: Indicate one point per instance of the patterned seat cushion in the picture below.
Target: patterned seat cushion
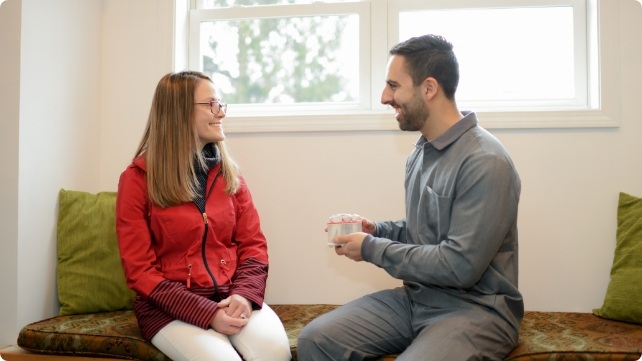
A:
(110, 334)
(116, 334)
(546, 336)
(572, 336)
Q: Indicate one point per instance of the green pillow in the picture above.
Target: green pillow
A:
(622, 301)
(90, 275)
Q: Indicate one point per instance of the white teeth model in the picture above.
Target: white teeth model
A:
(344, 218)
(342, 223)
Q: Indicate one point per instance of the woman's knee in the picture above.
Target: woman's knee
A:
(272, 351)
(184, 342)
(264, 338)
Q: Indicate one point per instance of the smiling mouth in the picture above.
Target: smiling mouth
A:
(398, 112)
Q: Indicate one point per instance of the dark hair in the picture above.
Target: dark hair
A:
(430, 56)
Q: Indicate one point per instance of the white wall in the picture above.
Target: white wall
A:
(137, 52)
(51, 109)
(76, 85)
(9, 114)
(59, 147)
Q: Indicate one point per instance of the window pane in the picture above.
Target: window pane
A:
(211, 4)
(283, 60)
(519, 54)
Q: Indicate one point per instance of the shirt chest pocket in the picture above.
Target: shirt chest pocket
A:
(433, 218)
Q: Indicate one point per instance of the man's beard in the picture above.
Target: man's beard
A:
(414, 114)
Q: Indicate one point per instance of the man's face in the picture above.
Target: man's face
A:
(401, 94)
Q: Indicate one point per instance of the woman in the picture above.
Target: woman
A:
(190, 237)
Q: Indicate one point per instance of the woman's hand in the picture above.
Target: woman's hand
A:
(237, 306)
(222, 323)
(233, 313)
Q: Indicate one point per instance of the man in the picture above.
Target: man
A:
(456, 250)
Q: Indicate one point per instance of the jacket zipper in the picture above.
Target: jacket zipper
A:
(204, 240)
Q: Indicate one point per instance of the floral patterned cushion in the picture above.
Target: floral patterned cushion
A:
(572, 336)
(550, 336)
(110, 334)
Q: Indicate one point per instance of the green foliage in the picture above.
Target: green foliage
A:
(279, 60)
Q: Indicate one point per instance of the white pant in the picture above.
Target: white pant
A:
(263, 338)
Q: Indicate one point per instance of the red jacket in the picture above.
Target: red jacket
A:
(181, 262)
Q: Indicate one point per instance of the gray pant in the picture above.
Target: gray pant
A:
(388, 322)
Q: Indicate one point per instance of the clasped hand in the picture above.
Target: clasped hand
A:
(232, 315)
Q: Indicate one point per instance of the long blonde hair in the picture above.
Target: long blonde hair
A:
(170, 143)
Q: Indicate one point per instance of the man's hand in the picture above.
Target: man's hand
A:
(368, 226)
(350, 245)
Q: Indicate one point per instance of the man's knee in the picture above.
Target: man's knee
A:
(308, 335)
(313, 343)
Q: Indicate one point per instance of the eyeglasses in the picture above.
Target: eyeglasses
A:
(216, 106)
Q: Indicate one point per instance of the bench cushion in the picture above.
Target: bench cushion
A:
(543, 335)
(572, 336)
(109, 334)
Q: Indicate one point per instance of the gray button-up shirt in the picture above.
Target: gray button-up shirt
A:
(457, 246)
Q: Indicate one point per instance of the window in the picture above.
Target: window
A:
(282, 58)
(507, 58)
(302, 65)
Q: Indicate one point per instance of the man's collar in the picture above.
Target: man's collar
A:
(453, 133)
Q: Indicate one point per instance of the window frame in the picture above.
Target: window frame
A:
(602, 82)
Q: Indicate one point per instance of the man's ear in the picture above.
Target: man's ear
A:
(430, 87)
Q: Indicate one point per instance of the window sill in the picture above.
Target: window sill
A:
(384, 120)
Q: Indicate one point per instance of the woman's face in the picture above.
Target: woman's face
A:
(209, 126)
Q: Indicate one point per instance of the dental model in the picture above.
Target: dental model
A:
(342, 223)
